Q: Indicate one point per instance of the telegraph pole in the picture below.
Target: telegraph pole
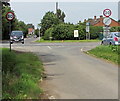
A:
(56, 7)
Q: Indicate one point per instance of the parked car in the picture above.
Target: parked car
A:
(17, 36)
(112, 39)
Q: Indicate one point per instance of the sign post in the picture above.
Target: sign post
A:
(10, 16)
(76, 34)
(107, 12)
(87, 30)
(107, 21)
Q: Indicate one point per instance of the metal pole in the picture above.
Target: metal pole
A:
(39, 34)
(10, 33)
(89, 35)
(56, 7)
(86, 35)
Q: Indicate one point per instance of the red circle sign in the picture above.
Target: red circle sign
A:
(10, 16)
(107, 12)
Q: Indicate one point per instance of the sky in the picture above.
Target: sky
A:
(33, 12)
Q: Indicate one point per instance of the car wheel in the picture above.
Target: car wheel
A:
(11, 42)
(110, 43)
(102, 43)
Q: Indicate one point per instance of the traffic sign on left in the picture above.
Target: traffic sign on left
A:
(10, 16)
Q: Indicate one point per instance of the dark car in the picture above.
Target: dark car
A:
(112, 39)
(17, 36)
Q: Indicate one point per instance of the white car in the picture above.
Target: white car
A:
(112, 39)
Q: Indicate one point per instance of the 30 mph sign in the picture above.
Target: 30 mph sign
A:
(10, 16)
(107, 12)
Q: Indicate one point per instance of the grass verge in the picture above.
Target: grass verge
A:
(59, 41)
(110, 53)
(21, 73)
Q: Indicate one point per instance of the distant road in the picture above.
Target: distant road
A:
(73, 74)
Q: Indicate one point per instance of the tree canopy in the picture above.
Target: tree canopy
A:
(49, 20)
(60, 15)
(15, 24)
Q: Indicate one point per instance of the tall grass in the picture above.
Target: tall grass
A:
(21, 73)
(110, 53)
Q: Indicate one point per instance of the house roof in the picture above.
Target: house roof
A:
(93, 21)
(97, 20)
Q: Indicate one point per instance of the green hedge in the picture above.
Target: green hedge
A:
(66, 32)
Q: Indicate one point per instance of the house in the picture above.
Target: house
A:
(30, 31)
(99, 22)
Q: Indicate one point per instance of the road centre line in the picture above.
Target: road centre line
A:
(49, 47)
(81, 49)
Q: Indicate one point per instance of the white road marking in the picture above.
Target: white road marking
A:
(49, 47)
(81, 49)
(51, 97)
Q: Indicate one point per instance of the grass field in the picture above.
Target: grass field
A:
(21, 74)
(59, 41)
(110, 53)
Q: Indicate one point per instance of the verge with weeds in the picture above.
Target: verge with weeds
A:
(21, 73)
(110, 53)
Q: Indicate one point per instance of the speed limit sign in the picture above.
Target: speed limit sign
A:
(107, 12)
(10, 16)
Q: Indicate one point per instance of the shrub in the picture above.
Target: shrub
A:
(81, 30)
(115, 29)
(95, 32)
(48, 34)
(63, 32)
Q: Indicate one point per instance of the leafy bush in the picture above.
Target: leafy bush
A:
(81, 30)
(48, 34)
(95, 32)
(115, 29)
(48, 21)
(63, 32)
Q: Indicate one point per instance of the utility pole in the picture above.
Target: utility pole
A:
(56, 7)
(1, 20)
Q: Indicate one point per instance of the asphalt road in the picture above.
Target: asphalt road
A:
(73, 74)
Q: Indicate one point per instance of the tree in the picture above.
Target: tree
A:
(30, 26)
(81, 23)
(60, 15)
(15, 24)
(22, 27)
(5, 23)
(49, 20)
(63, 32)
(95, 31)
(115, 29)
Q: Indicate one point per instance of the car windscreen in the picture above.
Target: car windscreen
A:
(16, 33)
(117, 34)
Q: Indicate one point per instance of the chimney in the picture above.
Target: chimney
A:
(101, 16)
(94, 17)
(101, 19)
